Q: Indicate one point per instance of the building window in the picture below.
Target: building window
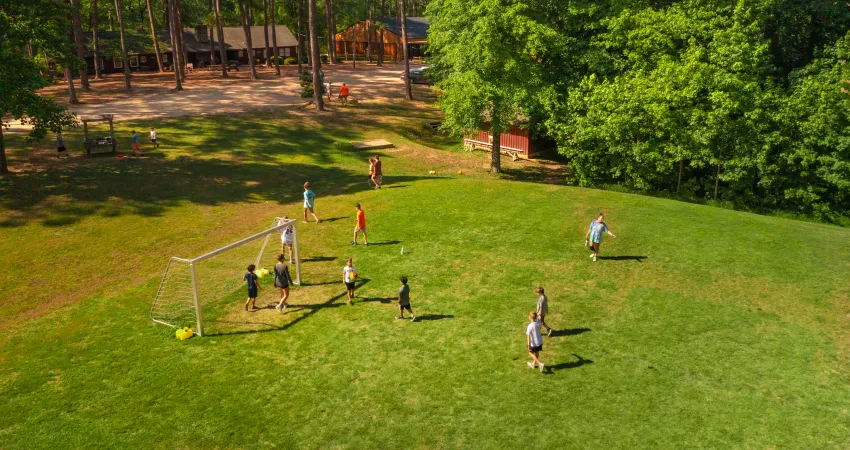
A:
(117, 62)
(144, 59)
(134, 61)
(287, 52)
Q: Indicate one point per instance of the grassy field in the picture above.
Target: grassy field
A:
(703, 327)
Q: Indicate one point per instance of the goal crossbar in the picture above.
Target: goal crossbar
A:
(278, 224)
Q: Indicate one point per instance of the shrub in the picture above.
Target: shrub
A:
(290, 61)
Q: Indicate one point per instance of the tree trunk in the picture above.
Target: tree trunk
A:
(681, 167)
(212, 42)
(4, 166)
(370, 29)
(381, 44)
(408, 92)
(275, 49)
(716, 181)
(308, 32)
(243, 11)
(119, 12)
(300, 35)
(329, 13)
(153, 36)
(250, 11)
(181, 47)
(221, 50)
(317, 62)
(77, 25)
(496, 154)
(354, 49)
(72, 92)
(172, 28)
(266, 31)
(95, 41)
(111, 21)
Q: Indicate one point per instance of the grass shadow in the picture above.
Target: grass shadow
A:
(384, 243)
(320, 259)
(429, 317)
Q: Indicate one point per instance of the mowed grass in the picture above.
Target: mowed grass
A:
(710, 328)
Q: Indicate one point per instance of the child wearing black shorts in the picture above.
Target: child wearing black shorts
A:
(253, 287)
(349, 276)
(404, 300)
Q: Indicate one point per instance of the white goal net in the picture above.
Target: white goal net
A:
(192, 288)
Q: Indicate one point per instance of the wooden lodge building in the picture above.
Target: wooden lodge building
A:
(355, 40)
(200, 51)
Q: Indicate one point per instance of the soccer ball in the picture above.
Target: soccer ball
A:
(460, 172)
(433, 172)
(353, 275)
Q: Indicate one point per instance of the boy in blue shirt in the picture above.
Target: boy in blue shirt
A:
(253, 287)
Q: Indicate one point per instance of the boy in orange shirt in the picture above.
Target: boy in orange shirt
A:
(360, 226)
(343, 94)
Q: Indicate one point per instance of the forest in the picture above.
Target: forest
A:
(737, 102)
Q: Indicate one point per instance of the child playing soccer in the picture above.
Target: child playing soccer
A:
(404, 300)
(534, 341)
(309, 202)
(136, 144)
(349, 275)
(253, 287)
(594, 235)
(287, 237)
(360, 226)
(543, 309)
(282, 281)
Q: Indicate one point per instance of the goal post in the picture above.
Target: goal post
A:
(179, 299)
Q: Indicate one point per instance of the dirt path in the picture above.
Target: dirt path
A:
(206, 92)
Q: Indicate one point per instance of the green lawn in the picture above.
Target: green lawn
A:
(710, 328)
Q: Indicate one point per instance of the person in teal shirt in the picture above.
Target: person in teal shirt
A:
(594, 235)
(309, 202)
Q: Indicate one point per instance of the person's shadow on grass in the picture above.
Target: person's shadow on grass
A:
(569, 332)
(569, 365)
(624, 258)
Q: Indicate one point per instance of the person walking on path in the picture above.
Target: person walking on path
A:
(349, 277)
(594, 235)
(404, 300)
(377, 174)
(287, 238)
(360, 226)
(282, 280)
(534, 341)
(309, 201)
(543, 310)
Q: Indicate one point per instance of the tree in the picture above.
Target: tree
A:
(81, 43)
(331, 31)
(153, 37)
(95, 41)
(381, 26)
(40, 24)
(317, 62)
(300, 33)
(180, 50)
(172, 28)
(486, 57)
(119, 14)
(268, 52)
(243, 13)
(408, 92)
(220, 29)
(274, 39)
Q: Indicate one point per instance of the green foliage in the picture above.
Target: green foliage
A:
(290, 60)
(667, 95)
(43, 25)
(306, 81)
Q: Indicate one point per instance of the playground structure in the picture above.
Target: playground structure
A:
(97, 143)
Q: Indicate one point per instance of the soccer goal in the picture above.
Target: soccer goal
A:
(212, 280)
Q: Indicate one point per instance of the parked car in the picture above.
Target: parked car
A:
(418, 75)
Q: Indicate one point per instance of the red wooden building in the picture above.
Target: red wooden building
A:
(515, 141)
